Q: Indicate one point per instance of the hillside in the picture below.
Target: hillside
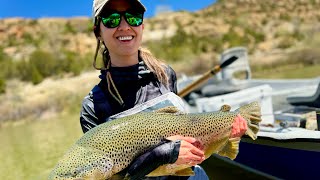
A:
(262, 26)
(269, 29)
(276, 33)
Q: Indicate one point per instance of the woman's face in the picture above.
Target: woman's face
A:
(123, 40)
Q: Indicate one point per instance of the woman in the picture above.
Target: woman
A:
(131, 76)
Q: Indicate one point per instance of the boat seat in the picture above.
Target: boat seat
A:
(310, 101)
(229, 82)
(240, 65)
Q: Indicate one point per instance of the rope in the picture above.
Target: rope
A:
(117, 97)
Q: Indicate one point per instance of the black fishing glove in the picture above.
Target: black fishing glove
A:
(165, 153)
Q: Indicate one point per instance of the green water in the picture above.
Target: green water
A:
(31, 149)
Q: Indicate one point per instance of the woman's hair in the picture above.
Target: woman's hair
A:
(155, 65)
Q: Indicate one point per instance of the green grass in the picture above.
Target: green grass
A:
(288, 72)
(31, 148)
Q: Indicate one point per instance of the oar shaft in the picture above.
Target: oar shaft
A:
(199, 82)
(205, 77)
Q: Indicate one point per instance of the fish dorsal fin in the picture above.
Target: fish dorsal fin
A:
(225, 108)
(169, 109)
(231, 149)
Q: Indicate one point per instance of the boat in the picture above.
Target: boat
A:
(288, 143)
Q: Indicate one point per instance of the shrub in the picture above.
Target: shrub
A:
(2, 85)
(36, 77)
(286, 42)
(258, 36)
(44, 62)
(309, 56)
(234, 39)
(28, 38)
(68, 28)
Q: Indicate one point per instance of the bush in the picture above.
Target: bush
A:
(173, 49)
(2, 85)
(234, 39)
(286, 42)
(309, 56)
(7, 66)
(36, 77)
(258, 36)
(44, 62)
(183, 46)
(68, 28)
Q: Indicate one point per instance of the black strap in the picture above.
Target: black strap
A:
(102, 107)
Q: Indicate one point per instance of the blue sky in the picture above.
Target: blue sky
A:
(71, 8)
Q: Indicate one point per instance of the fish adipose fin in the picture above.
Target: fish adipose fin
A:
(252, 114)
(231, 149)
(169, 109)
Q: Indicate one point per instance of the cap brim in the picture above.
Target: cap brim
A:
(100, 7)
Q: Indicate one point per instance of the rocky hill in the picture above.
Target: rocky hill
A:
(264, 27)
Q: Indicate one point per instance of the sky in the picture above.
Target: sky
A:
(74, 8)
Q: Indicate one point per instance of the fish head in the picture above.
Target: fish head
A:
(85, 163)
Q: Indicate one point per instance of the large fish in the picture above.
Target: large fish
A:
(110, 147)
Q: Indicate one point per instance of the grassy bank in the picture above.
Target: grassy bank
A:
(295, 71)
(30, 149)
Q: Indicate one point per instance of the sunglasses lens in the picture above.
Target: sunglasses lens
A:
(112, 21)
(134, 19)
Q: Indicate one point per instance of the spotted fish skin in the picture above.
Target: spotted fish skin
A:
(110, 147)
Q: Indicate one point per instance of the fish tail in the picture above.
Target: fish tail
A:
(252, 114)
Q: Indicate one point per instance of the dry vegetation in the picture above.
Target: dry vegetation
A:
(42, 101)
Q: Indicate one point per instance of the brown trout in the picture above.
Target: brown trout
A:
(109, 148)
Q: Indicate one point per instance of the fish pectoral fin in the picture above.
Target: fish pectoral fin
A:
(101, 168)
(119, 177)
(172, 170)
(231, 149)
(185, 172)
(169, 109)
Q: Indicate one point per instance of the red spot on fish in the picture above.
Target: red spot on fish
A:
(239, 126)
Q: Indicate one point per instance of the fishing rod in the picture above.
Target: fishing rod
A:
(206, 76)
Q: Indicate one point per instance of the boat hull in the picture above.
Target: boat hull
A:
(285, 159)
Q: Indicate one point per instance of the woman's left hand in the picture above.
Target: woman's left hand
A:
(191, 150)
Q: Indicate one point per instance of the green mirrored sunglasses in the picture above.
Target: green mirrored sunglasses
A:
(113, 19)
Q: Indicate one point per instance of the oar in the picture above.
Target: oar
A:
(206, 76)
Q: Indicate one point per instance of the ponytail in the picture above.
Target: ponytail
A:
(155, 65)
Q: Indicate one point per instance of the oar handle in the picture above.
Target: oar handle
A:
(206, 76)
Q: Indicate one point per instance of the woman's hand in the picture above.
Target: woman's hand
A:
(191, 150)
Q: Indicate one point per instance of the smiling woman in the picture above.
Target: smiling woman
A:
(131, 75)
